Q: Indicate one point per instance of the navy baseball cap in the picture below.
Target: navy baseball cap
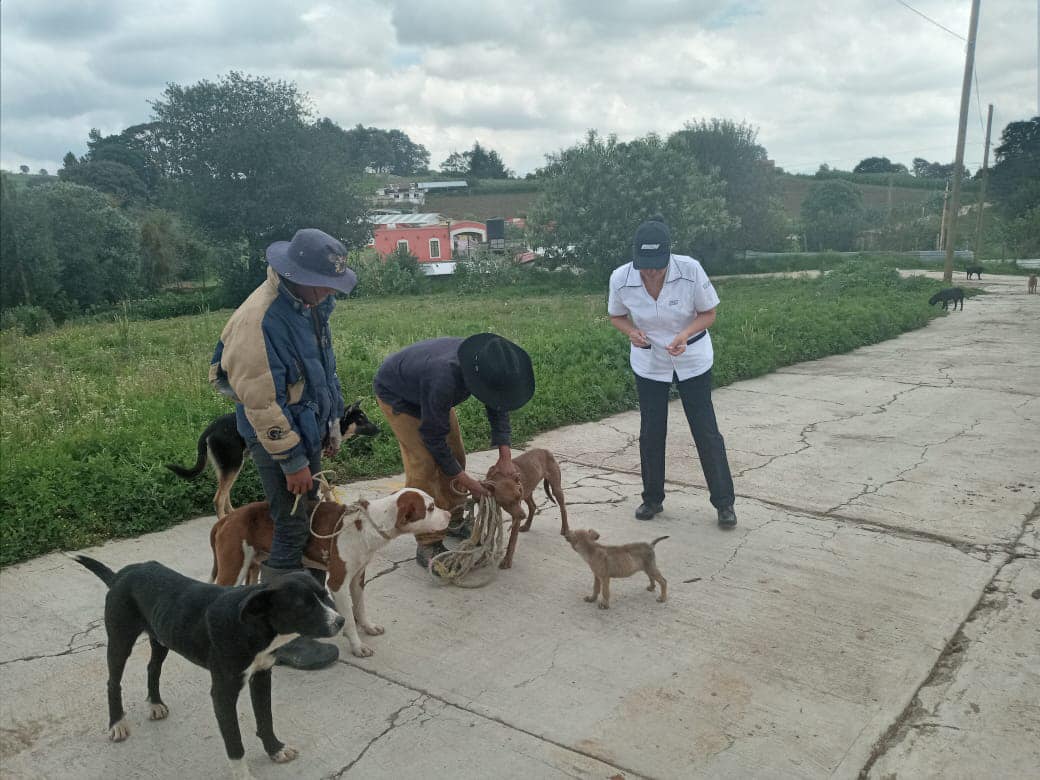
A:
(314, 259)
(652, 245)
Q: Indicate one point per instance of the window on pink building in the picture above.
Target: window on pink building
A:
(402, 243)
(435, 248)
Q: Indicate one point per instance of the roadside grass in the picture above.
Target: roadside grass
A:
(91, 412)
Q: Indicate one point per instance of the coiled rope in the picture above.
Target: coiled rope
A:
(485, 547)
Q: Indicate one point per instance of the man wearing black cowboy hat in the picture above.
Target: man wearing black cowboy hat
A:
(275, 360)
(418, 389)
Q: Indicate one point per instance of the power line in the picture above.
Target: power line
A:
(930, 19)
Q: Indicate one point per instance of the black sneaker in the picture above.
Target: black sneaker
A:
(461, 530)
(306, 653)
(727, 517)
(648, 509)
(424, 553)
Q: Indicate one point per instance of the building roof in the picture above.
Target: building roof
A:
(411, 220)
(440, 185)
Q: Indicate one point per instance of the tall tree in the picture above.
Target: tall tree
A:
(832, 215)
(246, 163)
(596, 193)
(879, 165)
(1015, 176)
(476, 163)
(732, 151)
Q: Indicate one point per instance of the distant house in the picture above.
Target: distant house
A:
(429, 237)
(413, 193)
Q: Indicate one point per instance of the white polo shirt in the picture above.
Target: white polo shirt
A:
(686, 292)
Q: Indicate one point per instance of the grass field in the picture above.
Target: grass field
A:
(90, 413)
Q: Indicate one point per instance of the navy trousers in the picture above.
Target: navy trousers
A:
(695, 394)
(291, 529)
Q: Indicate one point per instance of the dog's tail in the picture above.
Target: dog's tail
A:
(658, 539)
(200, 462)
(545, 484)
(103, 572)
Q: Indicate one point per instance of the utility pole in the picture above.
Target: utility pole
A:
(962, 128)
(982, 190)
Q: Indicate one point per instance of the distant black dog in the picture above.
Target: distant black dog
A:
(974, 269)
(232, 632)
(227, 451)
(955, 294)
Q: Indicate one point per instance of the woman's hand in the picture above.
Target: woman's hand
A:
(678, 345)
(638, 338)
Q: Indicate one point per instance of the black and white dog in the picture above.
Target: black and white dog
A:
(232, 632)
(227, 451)
(951, 294)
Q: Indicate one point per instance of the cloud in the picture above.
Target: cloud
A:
(823, 83)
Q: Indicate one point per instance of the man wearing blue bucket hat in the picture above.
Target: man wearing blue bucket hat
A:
(275, 360)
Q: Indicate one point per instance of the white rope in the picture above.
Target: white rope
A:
(486, 546)
(328, 495)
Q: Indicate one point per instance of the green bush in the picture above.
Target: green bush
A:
(28, 320)
(484, 270)
(398, 274)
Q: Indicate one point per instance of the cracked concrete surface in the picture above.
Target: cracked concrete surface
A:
(874, 614)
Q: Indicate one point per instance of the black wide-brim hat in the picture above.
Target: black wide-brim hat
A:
(497, 371)
(314, 259)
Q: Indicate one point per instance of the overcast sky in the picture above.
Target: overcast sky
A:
(823, 82)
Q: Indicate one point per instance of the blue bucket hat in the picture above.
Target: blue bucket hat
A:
(314, 259)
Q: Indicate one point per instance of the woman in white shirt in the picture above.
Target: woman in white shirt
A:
(665, 304)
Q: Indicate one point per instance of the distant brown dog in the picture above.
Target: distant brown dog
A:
(621, 560)
(535, 466)
(1031, 287)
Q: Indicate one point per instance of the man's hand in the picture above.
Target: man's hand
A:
(473, 486)
(506, 467)
(638, 338)
(299, 482)
(335, 440)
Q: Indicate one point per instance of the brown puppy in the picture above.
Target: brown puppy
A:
(622, 560)
(1031, 286)
(535, 466)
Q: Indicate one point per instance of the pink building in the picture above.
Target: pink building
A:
(429, 237)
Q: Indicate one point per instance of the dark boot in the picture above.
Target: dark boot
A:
(727, 517)
(424, 553)
(648, 509)
(303, 652)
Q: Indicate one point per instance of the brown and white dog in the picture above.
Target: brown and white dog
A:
(352, 534)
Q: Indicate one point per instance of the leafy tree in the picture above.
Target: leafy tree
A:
(23, 169)
(244, 162)
(1016, 175)
(43, 172)
(596, 193)
(477, 163)
(107, 176)
(923, 169)
(384, 151)
(879, 165)
(832, 215)
(456, 163)
(71, 249)
(751, 185)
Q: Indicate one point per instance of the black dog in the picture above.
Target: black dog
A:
(974, 269)
(233, 632)
(955, 294)
(227, 450)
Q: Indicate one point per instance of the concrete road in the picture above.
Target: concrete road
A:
(876, 613)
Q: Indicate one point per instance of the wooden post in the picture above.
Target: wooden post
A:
(982, 190)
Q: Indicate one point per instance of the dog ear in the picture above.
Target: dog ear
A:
(410, 507)
(593, 534)
(352, 408)
(255, 605)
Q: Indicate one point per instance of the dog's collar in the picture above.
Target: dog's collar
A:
(364, 511)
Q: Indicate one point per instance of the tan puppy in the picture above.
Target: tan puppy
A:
(1031, 286)
(622, 560)
(534, 466)
(354, 533)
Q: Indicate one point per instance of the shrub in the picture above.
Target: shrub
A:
(27, 320)
(484, 270)
(398, 274)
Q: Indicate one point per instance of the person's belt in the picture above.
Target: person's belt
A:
(691, 340)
